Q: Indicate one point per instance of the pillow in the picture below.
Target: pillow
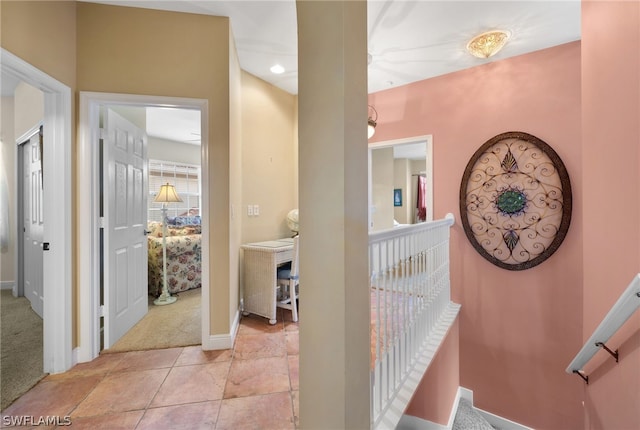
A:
(184, 220)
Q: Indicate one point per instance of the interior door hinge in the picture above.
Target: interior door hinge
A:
(102, 134)
(101, 222)
(101, 310)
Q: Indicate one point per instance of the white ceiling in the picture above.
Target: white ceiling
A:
(412, 151)
(179, 125)
(408, 40)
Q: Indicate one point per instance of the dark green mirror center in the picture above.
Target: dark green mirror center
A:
(511, 202)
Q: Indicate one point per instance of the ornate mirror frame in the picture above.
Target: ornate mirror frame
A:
(515, 200)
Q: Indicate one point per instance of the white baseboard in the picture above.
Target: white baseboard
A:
(7, 285)
(223, 341)
(466, 394)
(75, 354)
(408, 422)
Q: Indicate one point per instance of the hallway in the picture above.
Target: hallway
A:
(254, 385)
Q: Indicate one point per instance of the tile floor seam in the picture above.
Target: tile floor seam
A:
(226, 378)
(157, 391)
(87, 395)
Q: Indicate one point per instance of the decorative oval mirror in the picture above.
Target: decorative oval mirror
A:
(515, 201)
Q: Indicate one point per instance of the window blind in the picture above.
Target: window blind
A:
(185, 178)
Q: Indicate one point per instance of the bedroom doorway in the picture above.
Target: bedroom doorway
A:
(91, 308)
(172, 155)
(56, 168)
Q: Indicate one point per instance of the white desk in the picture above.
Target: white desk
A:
(260, 273)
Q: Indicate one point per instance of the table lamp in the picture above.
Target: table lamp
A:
(167, 194)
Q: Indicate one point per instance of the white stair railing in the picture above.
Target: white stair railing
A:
(410, 311)
(621, 311)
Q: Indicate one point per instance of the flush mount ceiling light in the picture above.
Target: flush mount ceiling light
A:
(371, 122)
(487, 44)
(277, 69)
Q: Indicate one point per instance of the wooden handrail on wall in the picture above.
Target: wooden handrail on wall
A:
(626, 305)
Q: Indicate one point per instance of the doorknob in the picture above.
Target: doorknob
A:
(146, 232)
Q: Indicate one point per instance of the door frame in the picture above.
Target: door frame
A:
(57, 262)
(89, 200)
(428, 138)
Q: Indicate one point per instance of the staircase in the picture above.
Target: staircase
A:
(468, 418)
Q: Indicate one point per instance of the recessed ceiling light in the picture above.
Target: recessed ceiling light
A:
(277, 69)
(487, 44)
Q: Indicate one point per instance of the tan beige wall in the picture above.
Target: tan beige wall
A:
(7, 205)
(170, 54)
(334, 314)
(269, 163)
(28, 109)
(382, 188)
(43, 34)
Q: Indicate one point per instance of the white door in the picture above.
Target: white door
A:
(33, 226)
(125, 190)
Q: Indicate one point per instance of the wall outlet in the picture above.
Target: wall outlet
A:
(256, 210)
(250, 210)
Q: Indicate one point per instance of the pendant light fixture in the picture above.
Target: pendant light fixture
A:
(371, 122)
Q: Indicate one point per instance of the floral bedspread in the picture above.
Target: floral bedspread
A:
(184, 258)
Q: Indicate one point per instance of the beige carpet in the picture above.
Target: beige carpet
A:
(165, 326)
(20, 347)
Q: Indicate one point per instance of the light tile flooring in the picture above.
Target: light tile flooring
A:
(252, 386)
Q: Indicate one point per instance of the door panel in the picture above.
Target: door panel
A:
(33, 223)
(124, 197)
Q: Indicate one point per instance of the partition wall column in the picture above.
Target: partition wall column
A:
(334, 292)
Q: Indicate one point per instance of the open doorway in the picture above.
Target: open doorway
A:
(56, 207)
(400, 182)
(91, 105)
(173, 158)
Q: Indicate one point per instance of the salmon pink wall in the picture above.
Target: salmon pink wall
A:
(611, 133)
(518, 329)
(436, 393)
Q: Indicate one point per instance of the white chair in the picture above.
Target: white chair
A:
(288, 282)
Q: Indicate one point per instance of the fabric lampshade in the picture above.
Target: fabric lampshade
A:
(167, 194)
